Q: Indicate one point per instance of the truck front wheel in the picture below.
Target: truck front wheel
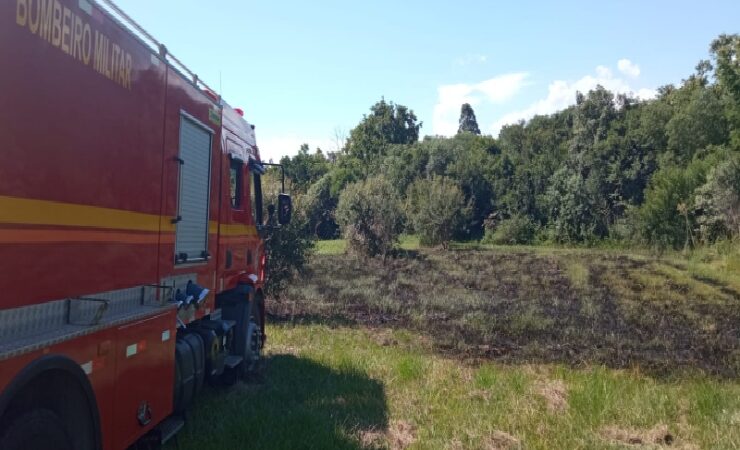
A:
(253, 347)
(40, 429)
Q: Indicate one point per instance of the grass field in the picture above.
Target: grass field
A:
(497, 348)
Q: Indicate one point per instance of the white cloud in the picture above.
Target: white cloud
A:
(603, 72)
(471, 59)
(628, 68)
(452, 96)
(561, 94)
(646, 93)
(275, 147)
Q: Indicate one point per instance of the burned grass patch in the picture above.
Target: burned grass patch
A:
(576, 308)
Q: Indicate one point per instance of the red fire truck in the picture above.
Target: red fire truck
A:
(132, 252)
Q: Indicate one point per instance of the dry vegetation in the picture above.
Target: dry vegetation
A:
(525, 306)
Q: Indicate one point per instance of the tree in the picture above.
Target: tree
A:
(609, 165)
(320, 206)
(668, 216)
(579, 196)
(304, 168)
(370, 215)
(698, 123)
(468, 122)
(437, 209)
(387, 124)
(576, 209)
(726, 52)
(718, 201)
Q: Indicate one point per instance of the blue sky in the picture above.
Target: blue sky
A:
(308, 71)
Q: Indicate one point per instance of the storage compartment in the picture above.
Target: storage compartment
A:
(145, 371)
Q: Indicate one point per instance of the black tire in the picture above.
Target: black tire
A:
(40, 429)
(253, 348)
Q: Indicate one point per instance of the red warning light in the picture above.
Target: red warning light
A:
(239, 111)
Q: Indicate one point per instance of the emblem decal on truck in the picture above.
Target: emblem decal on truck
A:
(215, 116)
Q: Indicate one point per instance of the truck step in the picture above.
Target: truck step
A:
(170, 427)
(233, 361)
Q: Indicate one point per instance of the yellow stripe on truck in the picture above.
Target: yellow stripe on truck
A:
(237, 230)
(14, 210)
(25, 211)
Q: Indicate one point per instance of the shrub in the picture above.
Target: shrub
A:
(436, 209)
(320, 208)
(517, 229)
(577, 208)
(289, 248)
(667, 218)
(718, 202)
(370, 216)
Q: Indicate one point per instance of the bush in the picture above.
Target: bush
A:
(718, 202)
(578, 211)
(320, 208)
(436, 209)
(667, 218)
(289, 248)
(370, 216)
(517, 229)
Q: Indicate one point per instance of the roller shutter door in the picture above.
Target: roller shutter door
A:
(191, 241)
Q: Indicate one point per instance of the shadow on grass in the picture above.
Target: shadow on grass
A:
(300, 405)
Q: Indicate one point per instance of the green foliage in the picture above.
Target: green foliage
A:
(467, 158)
(579, 176)
(304, 168)
(697, 124)
(436, 208)
(530, 154)
(576, 208)
(668, 216)
(320, 205)
(726, 52)
(387, 124)
(289, 248)
(718, 201)
(468, 122)
(512, 231)
(370, 215)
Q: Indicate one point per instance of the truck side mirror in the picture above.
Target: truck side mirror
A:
(285, 209)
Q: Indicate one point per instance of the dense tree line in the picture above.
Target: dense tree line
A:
(663, 172)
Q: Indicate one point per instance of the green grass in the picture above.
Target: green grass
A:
(492, 348)
(352, 388)
(331, 247)
(409, 242)
(339, 246)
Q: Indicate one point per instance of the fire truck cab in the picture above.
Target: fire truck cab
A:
(132, 251)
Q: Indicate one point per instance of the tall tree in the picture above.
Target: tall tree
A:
(388, 124)
(305, 168)
(468, 122)
(726, 52)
